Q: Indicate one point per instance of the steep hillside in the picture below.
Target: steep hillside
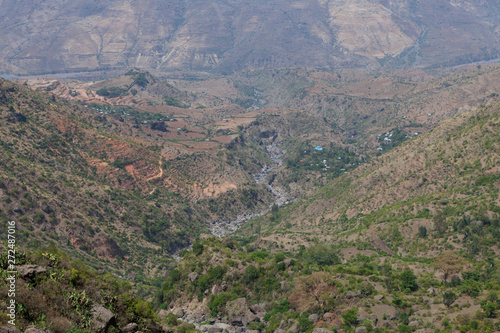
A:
(443, 183)
(103, 182)
(52, 36)
(56, 294)
(221, 285)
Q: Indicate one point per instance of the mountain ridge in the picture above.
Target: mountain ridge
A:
(228, 36)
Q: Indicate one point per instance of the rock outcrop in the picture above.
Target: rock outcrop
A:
(102, 318)
(239, 314)
(29, 272)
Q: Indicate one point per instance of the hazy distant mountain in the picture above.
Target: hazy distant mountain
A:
(228, 35)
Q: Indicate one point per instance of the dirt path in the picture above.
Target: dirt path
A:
(157, 176)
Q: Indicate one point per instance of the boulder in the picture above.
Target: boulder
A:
(253, 331)
(222, 326)
(193, 276)
(163, 313)
(279, 330)
(328, 315)
(197, 316)
(238, 312)
(130, 328)
(260, 316)
(179, 312)
(350, 294)
(259, 310)
(294, 329)
(414, 324)
(250, 317)
(287, 262)
(29, 272)
(314, 317)
(102, 318)
(214, 330)
(9, 329)
(378, 297)
(166, 329)
(205, 328)
(256, 308)
(431, 291)
(361, 329)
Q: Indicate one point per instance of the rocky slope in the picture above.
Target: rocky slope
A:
(224, 287)
(56, 294)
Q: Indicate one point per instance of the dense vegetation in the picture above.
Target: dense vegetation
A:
(61, 299)
(379, 292)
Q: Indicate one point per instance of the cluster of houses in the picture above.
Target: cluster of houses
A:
(387, 138)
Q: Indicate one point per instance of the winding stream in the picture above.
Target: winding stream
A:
(221, 228)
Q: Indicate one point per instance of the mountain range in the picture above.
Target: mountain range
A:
(226, 36)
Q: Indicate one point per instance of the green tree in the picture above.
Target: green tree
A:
(490, 309)
(408, 280)
(322, 255)
(440, 224)
(422, 231)
(304, 324)
(141, 80)
(251, 274)
(274, 208)
(197, 248)
(449, 298)
(350, 317)
(471, 288)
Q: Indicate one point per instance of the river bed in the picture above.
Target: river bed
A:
(221, 228)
